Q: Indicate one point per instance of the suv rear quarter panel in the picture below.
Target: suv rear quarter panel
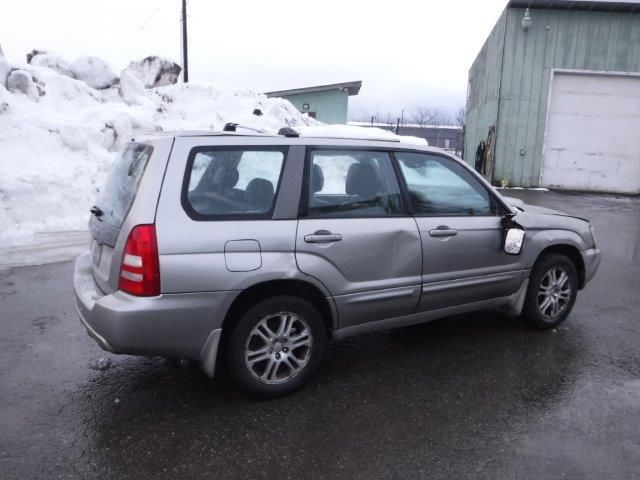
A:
(209, 255)
(143, 211)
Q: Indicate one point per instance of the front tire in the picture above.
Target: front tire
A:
(552, 292)
(276, 346)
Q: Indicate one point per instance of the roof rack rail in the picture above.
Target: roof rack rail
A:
(288, 132)
(231, 127)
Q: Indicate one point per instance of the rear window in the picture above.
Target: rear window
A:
(232, 183)
(120, 189)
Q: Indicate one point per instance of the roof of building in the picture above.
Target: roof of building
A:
(352, 87)
(599, 5)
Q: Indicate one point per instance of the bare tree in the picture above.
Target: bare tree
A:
(431, 116)
(376, 117)
(460, 116)
(419, 116)
(388, 118)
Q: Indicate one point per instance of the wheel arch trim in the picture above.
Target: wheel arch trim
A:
(306, 288)
(572, 252)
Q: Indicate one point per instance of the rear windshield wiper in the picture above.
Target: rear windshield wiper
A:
(96, 211)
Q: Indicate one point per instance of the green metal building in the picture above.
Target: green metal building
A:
(555, 95)
(326, 103)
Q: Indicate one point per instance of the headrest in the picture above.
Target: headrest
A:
(259, 194)
(317, 178)
(362, 180)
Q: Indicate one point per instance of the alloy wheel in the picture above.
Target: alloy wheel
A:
(278, 348)
(554, 293)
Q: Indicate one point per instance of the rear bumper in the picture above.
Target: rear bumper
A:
(591, 260)
(177, 325)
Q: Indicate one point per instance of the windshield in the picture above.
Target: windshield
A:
(120, 188)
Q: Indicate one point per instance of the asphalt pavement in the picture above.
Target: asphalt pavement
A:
(474, 396)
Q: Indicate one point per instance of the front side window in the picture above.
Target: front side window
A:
(232, 182)
(352, 183)
(440, 186)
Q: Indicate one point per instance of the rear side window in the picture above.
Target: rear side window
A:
(232, 183)
(122, 183)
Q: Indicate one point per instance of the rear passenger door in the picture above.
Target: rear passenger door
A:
(355, 236)
(460, 222)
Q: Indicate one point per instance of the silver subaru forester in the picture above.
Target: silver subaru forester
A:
(252, 249)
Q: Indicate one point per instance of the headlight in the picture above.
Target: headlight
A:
(593, 235)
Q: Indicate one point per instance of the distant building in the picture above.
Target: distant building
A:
(326, 103)
(447, 137)
(555, 95)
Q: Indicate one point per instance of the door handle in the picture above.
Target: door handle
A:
(323, 236)
(443, 231)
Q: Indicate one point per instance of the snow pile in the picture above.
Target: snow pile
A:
(94, 72)
(132, 89)
(62, 123)
(4, 70)
(21, 81)
(51, 60)
(155, 71)
(59, 135)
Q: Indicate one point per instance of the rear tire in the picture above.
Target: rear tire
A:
(276, 346)
(553, 288)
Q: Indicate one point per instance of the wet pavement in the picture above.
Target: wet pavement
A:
(475, 396)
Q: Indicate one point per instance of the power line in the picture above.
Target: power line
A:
(149, 19)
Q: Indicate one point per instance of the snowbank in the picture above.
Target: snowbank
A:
(94, 72)
(51, 60)
(56, 148)
(155, 71)
(61, 127)
(4, 70)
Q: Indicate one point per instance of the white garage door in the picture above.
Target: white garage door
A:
(592, 139)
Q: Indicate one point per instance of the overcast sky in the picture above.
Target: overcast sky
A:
(405, 52)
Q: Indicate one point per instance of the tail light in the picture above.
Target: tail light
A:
(140, 267)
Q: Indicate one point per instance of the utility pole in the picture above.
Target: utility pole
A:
(185, 61)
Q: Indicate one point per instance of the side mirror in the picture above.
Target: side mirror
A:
(513, 241)
(513, 234)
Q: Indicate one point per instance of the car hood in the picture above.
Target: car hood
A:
(539, 219)
(521, 206)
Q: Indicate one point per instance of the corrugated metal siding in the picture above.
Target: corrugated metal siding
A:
(574, 40)
(484, 88)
